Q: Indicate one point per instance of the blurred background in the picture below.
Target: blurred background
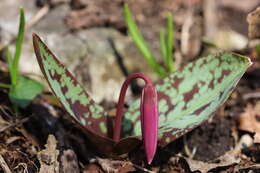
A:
(78, 32)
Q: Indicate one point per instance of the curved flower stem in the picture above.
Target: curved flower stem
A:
(120, 105)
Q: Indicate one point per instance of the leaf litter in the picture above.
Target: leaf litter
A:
(249, 120)
(22, 162)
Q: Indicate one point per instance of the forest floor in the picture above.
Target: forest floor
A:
(225, 143)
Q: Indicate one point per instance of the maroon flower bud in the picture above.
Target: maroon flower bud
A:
(149, 115)
(149, 120)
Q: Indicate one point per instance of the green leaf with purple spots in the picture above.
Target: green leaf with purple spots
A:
(91, 117)
(186, 98)
(189, 97)
(72, 96)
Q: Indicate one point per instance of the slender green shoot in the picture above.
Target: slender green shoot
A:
(3, 85)
(258, 50)
(163, 48)
(140, 43)
(169, 44)
(22, 90)
(166, 44)
(18, 47)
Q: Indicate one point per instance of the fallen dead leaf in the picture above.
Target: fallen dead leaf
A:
(226, 160)
(114, 166)
(49, 157)
(249, 120)
(13, 139)
(229, 159)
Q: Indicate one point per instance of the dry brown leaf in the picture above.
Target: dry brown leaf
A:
(49, 157)
(249, 120)
(115, 166)
(230, 158)
(227, 159)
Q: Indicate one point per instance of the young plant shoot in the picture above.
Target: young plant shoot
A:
(166, 44)
(185, 100)
(22, 90)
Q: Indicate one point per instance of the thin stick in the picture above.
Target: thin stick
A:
(39, 15)
(36, 18)
(251, 95)
(14, 124)
(4, 165)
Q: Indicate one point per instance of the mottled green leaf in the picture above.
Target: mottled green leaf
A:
(70, 93)
(189, 97)
(186, 98)
(24, 91)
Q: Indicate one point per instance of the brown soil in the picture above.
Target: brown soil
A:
(26, 134)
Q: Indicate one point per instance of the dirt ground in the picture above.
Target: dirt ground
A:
(225, 143)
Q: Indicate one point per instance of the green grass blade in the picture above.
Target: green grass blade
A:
(9, 62)
(18, 47)
(258, 50)
(169, 44)
(140, 43)
(3, 85)
(163, 48)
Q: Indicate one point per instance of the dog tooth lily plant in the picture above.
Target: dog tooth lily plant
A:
(149, 115)
(185, 99)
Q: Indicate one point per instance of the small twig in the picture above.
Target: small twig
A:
(4, 165)
(135, 88)
(4, 109)
(185, 34)
(143, 169)
(14, 124)
(186, 147)
(119, 58)
(255, 166)
(24, 165)
(187, 150)
(39, 14)
(251, 95)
